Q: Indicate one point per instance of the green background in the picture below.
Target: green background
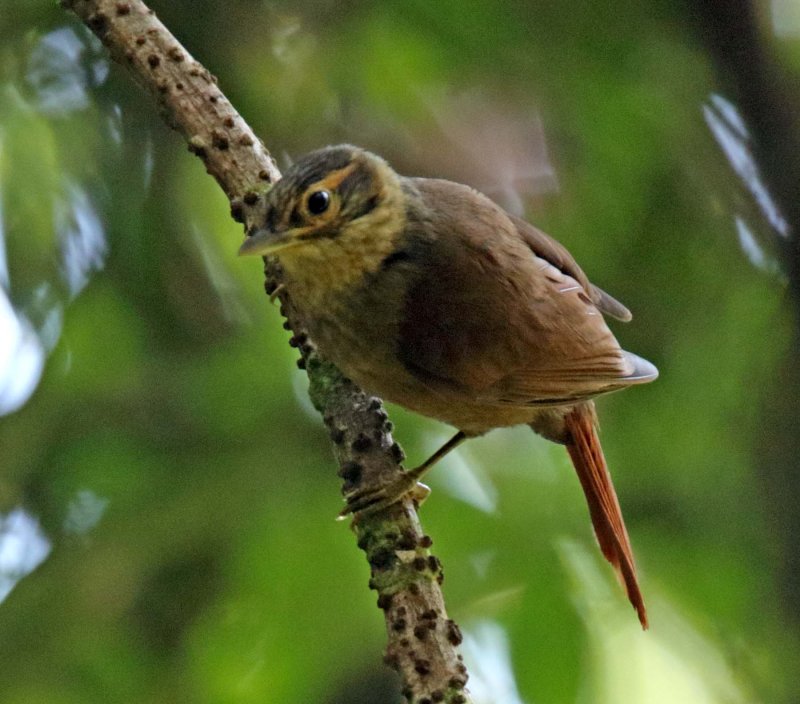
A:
(167, 468)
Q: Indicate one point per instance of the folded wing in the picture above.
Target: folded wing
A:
(527, 329)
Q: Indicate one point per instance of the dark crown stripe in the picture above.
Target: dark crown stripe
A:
(319, 165)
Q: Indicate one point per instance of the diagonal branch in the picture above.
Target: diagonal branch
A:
(422, 641)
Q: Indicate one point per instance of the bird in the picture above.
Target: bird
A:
(428, 294)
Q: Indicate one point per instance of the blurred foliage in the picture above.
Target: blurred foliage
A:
(166, 493)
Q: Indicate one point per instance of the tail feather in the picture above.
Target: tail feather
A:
(584, 448)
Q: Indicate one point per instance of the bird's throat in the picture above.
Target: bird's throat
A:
(320, 271)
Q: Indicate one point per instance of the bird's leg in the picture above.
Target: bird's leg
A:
(371, 499)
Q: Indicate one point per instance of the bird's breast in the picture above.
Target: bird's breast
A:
(359, 333)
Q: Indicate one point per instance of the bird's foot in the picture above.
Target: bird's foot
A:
(371, 499)
(277, 292)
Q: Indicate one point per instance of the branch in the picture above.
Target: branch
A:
(422, 641)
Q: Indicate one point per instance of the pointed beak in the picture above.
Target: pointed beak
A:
(263, 242)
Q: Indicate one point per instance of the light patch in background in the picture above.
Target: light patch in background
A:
(23, 348)
(21, 352)
(84, 512)
(114, 125)
(286, 38)
(50, 313)
(21, 357)
(488, 658)
(482, 562)
(519, 452)
(461, 477)
(4, 275)
(23, 547)
(300, 389)
(82, 237)
(729, 130)
(730, 115)
(145, 150)
(59, 73)
(672, 662)
(786, 18)
(148, 162)
(499, 149)
(753, 250)
(225, 286)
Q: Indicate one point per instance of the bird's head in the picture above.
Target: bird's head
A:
(336, 212)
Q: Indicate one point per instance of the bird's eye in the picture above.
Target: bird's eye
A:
(318, 202)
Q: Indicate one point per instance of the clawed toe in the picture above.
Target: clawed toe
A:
(374, 499)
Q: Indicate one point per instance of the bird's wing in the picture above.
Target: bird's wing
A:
(491, 316)
(556, 253)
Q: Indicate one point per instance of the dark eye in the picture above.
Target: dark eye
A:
(318, 202)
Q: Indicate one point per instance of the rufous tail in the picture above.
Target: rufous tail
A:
(584, 448)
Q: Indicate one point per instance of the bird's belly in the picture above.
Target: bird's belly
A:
(358, 347)
(462, 412)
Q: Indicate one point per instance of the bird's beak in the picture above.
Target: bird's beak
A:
(263, 242)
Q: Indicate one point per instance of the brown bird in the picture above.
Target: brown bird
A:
(428, 294)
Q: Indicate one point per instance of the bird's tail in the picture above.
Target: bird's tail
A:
(584, 448)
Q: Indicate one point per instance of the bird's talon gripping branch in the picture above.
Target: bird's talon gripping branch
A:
(276, 292)
(373, 499)
(420, 493)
